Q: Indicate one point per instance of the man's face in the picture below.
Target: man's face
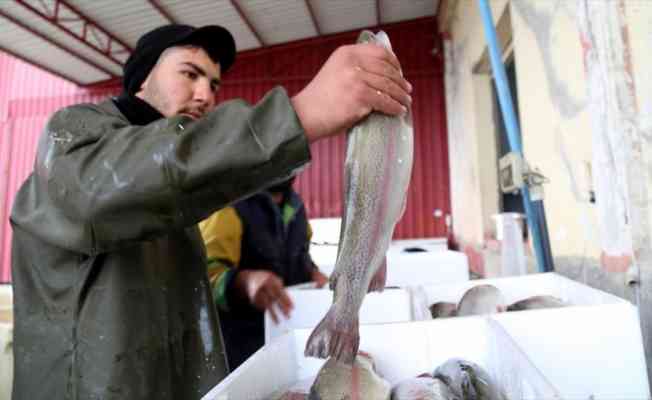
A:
(184, 81)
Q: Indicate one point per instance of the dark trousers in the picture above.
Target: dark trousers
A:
(244, 334)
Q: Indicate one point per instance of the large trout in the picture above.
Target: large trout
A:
(377, 172)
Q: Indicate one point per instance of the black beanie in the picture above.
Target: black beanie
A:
(214, 39)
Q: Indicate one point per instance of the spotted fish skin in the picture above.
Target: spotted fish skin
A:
(340, 381)
(377, 173)
(422, 388)
(536, 302)
(480, 300)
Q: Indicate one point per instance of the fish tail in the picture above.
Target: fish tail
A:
(335, 339)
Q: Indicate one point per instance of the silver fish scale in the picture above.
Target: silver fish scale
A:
(378, 168)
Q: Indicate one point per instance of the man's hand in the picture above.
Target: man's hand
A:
(354, 81)
(263, 289)
(319, 278)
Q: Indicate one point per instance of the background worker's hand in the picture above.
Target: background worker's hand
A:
(319, 278)
(263, 289)
(354, 81)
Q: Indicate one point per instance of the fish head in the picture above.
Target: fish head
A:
(367, 37)
(380, 38)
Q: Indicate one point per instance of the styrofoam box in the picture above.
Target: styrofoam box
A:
(400, 351)
(590, 349)
(520, 287)
(585, 352)
(310, 306)
(325, 230)
(428, 244)
(6, 349)
(403, 269)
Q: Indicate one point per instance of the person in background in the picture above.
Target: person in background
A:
(256, 248)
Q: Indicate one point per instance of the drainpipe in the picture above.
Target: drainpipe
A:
(513, 133)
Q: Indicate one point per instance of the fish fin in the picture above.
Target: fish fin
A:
(380, 277)
(339, 340)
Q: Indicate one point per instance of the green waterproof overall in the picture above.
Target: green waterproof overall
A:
(111, 294)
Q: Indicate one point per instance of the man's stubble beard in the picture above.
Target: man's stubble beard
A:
(156, 97)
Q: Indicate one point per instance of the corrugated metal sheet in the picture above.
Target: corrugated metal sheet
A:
(5, 195)
(254, 74)
(254, 23)
(344, 15)
(270, 17)
(207, 12)
(20, 80)
(38, 24)
(17, 162)
(127, 20)
(20, 41)
(28, 95)
(321, 183)
(395, 10)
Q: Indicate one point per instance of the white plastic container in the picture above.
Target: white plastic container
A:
(407, 268)
(585, 352)
(310, 305)
(509, 230)
(6, 347)
(591, 349)
(400, 351)
(521, 287)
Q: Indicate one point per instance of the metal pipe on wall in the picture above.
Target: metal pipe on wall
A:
(511, 125)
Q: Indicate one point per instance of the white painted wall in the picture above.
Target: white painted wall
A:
(466, 125)
(578, 138)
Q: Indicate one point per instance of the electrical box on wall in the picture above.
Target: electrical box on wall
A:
(511, 170)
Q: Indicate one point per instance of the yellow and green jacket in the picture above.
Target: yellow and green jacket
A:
(255, 233)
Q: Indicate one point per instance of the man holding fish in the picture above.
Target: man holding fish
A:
(110, 288)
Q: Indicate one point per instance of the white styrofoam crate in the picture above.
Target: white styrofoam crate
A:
(6, 302)
(6, 360)
(520, 287)
(403, 269)
(400, 351)
(6, 348)
(310, 305)
(591, 349)
(585, 352)
(428, 244)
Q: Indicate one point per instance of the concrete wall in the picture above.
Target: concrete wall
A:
(471, 140)
(565, 126)
(585, 100)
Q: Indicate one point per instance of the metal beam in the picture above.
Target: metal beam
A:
(246, 20)
(56, 44)
(161, 10)
(379, 17)
(89, 25)
(311, 11)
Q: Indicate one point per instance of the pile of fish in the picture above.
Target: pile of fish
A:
(456, 379)
(487, 299)
(377, 173)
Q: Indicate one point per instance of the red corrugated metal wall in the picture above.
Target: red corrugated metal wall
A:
(321, 183)
(29, 95)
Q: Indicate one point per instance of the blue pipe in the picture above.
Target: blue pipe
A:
(513, 132)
